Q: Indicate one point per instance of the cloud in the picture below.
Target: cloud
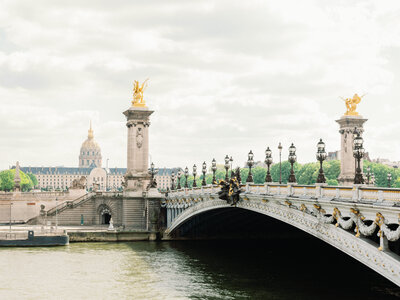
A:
(225, 77)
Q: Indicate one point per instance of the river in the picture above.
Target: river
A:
(239, 269)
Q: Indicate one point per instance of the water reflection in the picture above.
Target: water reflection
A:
(273, 269)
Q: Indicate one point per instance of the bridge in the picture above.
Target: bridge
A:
(361, 221)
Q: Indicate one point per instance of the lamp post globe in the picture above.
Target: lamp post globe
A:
(268, 162)
(204, 171)
(321, 156)
(292, 159)
(226, 168)
(250, 163)
(214, 169)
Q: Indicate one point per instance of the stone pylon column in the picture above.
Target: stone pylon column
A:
(138, 121)
(135, 210)
(347, 161)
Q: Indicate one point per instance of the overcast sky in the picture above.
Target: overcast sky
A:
(225, 77)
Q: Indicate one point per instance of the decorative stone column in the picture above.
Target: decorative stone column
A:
(138, 121)
(348, 124)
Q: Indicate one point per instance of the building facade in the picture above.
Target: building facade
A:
(90, 167)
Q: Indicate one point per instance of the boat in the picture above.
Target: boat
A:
(20, 239)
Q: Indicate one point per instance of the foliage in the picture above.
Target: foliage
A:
(7, 181)
(33, 178)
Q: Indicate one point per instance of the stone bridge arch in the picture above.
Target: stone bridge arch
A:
(363, 250)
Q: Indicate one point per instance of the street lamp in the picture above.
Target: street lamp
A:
(250, 163)
(389, 179)
(280, 162)
(186, 177)
(214, 169)
(226, 168)
(368, 174)
(194, 175)
(321, 156)
(292, 159)
(204, 170)
(268, 162)
(153, 171)
(179, 180)
(172, 181)
(358, 153)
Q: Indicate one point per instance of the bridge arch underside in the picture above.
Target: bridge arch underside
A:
(226, 222)
(234, 223)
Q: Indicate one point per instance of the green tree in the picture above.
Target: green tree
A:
(285, 171)
(7, 180)
(33, 178)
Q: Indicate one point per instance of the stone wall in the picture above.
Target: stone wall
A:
(27, 205)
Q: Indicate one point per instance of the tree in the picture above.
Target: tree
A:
(33, 178)
(285, 171)
(7, 181)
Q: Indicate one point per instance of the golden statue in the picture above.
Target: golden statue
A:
(351, 105)
(138, 90)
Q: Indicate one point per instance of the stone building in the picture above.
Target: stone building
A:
(90, 166)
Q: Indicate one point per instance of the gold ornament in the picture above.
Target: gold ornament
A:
(138, 90)
(351, 104)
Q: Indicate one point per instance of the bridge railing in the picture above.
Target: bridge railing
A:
(356, 193)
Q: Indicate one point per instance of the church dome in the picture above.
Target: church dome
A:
(90, 154)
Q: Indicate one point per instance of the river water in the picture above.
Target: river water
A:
(240, 269)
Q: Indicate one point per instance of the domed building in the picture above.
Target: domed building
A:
(90, 154)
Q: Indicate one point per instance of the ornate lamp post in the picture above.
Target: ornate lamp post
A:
(153, 172)
(292, 159)
(321, 156)
(172, 181)
(194, 175)
(186, 177)
(389, 179)
(368, 174)
(231, 161)
(179, 180)
(214, 169)
(358, 153)
(227, 168)
(280, 162)
(250, 163)
(204, 171)
(268, 162)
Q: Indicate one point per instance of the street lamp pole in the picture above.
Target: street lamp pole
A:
(172, 181)
(194, 176)
(321, 156)
(250, 163)
(186, 177)
(214, 169)
(389, 180)
(179, 180)
(204, 170)
(358, 153)
(280, 162)
(226, 168)
(268, 162)
(292, 159)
